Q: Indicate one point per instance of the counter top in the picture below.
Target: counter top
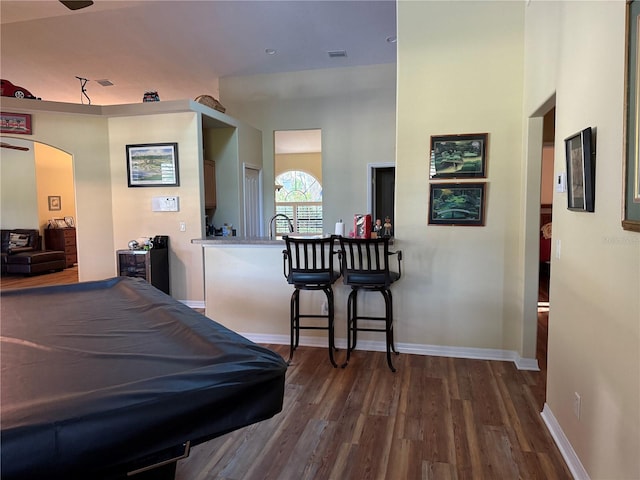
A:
(213, 241)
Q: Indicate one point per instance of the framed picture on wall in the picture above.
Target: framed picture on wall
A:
(153, 165)
(580, 171)
(460, 204)
(631, 162)
(54, 202)
(459, 156)
(15, 123)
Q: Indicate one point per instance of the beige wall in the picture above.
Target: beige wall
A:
(310, 163)
(18, 200)
(133, 217)
(54, 177)
(575, 50)
(354, 108)
(84, 135)
(460, 70)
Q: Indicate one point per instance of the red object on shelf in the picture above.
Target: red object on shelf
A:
(362, 225)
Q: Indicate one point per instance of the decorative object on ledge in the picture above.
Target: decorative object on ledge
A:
(580, 171)
(460, 204)
(54, 202)
(459, 156)
(153, 165)
(210, 102)
(631, 190)
(150, 96)
(15, 123)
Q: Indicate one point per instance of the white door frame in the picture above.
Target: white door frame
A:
(248, 166)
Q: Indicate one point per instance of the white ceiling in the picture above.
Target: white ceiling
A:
(181, 48)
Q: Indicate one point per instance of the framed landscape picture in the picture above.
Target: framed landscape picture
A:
(459, 156)
(457, 204)
(153, 165)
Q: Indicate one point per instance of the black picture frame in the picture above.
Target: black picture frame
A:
(580, 171)
(153, 165)
(458, 204)
(459, 156)
(631, 163)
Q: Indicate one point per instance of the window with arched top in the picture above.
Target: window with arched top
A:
(299, 197)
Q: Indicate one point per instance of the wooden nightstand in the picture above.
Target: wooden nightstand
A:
(62, 239)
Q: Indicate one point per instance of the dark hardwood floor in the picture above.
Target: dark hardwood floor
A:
(436, 418)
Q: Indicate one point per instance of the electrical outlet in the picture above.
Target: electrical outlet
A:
(183, 227)
(576, 404)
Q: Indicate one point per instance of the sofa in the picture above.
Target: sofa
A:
(22, 253)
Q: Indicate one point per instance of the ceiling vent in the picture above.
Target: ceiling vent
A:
(105, 83)
(337, 53)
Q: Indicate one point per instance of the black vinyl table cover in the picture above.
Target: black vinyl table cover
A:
(97, 375)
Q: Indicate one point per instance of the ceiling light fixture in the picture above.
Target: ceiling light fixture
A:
(270, 51)
(337, 53)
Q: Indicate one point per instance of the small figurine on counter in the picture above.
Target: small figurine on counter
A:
(377, 228)
(387, 226)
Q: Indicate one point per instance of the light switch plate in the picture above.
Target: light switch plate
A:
(561, 182)
(164, 204)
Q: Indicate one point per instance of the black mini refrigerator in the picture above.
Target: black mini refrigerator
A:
(152, 265)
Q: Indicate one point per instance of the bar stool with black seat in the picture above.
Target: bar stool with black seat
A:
(365, 266)
(308, 265)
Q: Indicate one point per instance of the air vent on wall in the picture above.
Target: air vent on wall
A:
(337, 53)
(105, 83)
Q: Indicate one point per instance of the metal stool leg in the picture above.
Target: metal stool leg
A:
(295, 322)
(330, 317)
(389, 326)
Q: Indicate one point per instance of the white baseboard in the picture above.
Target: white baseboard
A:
(567, 451)
(193, 303)
(435, 350)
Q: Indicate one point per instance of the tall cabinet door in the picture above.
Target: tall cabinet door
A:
(209, 184)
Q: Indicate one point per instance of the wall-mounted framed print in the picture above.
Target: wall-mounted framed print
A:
(15, 123)
(459, 204)
(580, 171)
(153, 165)
(55, 202)
(631, 165)
(459, 156)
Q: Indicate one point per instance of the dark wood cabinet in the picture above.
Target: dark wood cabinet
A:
(209, 184)
(151, 265)
(63, 239)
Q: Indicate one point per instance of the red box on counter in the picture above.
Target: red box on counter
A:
(362, 225)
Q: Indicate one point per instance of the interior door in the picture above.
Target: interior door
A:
(252, 210)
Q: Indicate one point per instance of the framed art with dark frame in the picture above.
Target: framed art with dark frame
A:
(153, 165)
(459, 156)
(55, 202)
(580, 171)
(631, 165)
(15, 123)
(460, 204)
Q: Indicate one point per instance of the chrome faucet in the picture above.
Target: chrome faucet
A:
(272, 220)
